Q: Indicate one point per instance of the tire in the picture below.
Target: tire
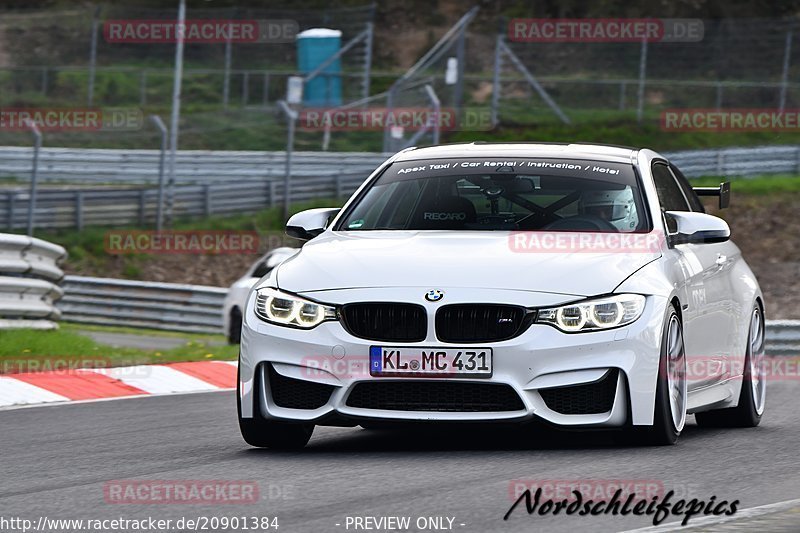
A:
(669, 414)
(262, 433)
(752, 399)
(235, 328)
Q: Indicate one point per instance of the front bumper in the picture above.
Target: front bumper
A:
(539, 360)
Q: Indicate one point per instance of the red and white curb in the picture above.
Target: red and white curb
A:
(35, 388)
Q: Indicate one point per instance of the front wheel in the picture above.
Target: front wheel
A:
(669, 416)
(752, 398)
(264, 433)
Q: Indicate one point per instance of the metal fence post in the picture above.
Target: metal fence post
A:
(143, 87)
(337, 184)
(386, 129)
(272, 193)
(787, 54)
(142, 206)
(161, 159)
(79, 210)
(34, 176)
(226, 80)
(11, 196)
(437, 109)
(458, 90)
(365, 84)
(176, 108)
(44, 81)
(291, 116)
(642, 74)
(265, 97)
(498, 67)
(245, 88)
(93, 54)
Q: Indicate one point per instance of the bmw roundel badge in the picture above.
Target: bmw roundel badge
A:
(434, 295)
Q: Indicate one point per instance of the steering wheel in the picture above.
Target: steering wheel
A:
(581, 222)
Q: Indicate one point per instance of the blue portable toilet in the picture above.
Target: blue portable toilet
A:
(314, 47)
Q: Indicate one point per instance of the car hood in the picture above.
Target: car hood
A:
(344, 260)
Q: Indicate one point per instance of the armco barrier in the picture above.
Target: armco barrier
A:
(783, 337)
(29, 276)
(146, 304)
(140, 167)
(198, 308)
(125, 167)
(220, 183)
(79, 208)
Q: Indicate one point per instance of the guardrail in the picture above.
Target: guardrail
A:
(29, 276)
(192, 166)
(199, 308)
(70, 165)
(145, 304)
(245, 182)
(742, 162)
(783, 337)
(77, 208)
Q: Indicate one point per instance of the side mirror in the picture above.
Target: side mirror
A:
(306, 225)
(697, 228)
(261, 270)
(723, 191)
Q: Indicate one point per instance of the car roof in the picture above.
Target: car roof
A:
(593, 152)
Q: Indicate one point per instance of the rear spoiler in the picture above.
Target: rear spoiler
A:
(723, 191)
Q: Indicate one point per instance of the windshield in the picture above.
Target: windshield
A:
(495, 194)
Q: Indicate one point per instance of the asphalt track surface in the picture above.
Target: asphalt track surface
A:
(56, 460)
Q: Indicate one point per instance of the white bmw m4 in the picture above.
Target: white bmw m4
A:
(579, 285)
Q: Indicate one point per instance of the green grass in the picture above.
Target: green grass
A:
(208, 338)
(30, 350)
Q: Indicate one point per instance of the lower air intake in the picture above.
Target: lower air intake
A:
(586, 399)
(435, 396)
(297, 393)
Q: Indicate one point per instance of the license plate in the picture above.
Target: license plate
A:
(430, 362)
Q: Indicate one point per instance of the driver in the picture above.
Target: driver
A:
(616, 207)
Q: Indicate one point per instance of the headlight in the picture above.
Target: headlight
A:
(592, 315)
(285, 309)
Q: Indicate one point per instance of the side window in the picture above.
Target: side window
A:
(694, 201)
(670, 195)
